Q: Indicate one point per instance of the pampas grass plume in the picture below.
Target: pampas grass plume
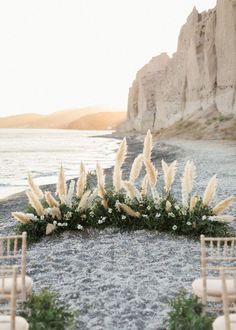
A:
(129, 211)
(131, 190)
(187, 181)
(34, 187)
(144, 186)
(169, 174)
(221, 206)
(81, 184)
(121, 153)
(21, 217)
(210, 191)
(117, 178)
(193, 202)
(61, 184)
(151, 171)
(50, 199)
(35, 202)
(147, 148)
(83, 202)
(168, 206)
(136, 168)
(50, 228)
(100, 175)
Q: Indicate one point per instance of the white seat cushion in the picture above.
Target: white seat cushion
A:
(21, 323)
(8, 284)
(214, 287)
(219, 323)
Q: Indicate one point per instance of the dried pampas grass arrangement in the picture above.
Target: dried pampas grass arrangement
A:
(118, 206)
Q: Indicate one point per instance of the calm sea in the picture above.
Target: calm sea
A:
(42, 152)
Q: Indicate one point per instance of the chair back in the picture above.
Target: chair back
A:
(8, 299)
(13, 252)
(229, 299)
(217, 253)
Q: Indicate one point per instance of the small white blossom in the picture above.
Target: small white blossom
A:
(59, 224)
(123, 217)
(145, 216)
(174, 227)
(32, 217)
(149, 208)
(171, 215)
(42, 217)
(184, 212)
(83, 216)
(204, 217)
(189, 223)
(177, 207)
(80, 227)
(211, 218)
(104, 218)
(91, 214)
(55, 222)
(109, 210)
(158, 215)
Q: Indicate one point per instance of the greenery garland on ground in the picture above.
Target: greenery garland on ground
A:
(44, 311)
(124, 205)
(186, 313)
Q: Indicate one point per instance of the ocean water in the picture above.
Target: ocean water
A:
(42, 152)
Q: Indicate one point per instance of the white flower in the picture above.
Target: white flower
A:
(145, 216)
(158, 215)
(59, 224)
(123, 217)
(149, 208)
(211, 218)
(174, 227)
(91, 214)
(31, 216)
(80, 227)
(189, 223)
(42, 217)
(204, 217)
(83, 216)
(55, 223)
(104, 218)
(117, 205)
(109, 210)
(68, 215)
(171, 214)
(177, 207)
(64, 224)
(184, 212)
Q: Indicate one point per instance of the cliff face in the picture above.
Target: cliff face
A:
(201, 74)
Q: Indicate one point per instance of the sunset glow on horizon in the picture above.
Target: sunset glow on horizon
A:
(63, 54)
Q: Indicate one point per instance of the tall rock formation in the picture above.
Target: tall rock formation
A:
(199, 76)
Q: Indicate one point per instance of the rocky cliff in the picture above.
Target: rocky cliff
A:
(201, 75)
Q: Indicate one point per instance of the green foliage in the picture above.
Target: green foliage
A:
(154, 215)
(43, 311)
(186, 313)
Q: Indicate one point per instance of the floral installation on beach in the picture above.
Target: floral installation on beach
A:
(124, 205)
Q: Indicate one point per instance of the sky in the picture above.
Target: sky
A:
(66, 54)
